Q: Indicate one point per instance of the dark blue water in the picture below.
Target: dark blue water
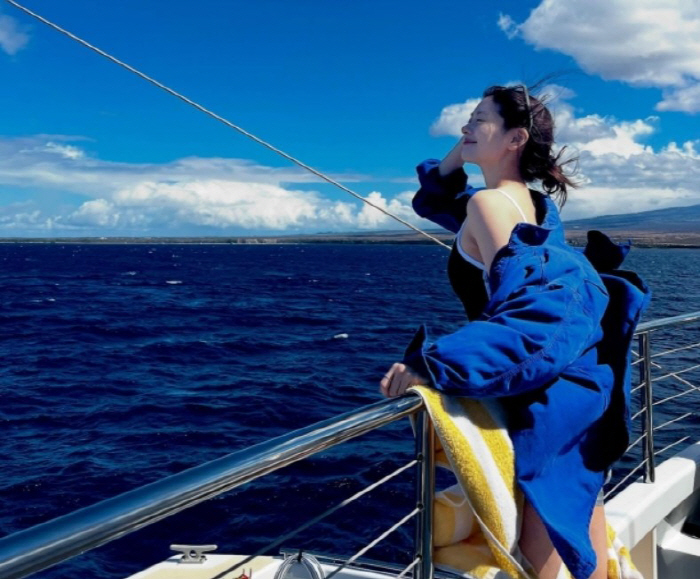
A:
(125, 363)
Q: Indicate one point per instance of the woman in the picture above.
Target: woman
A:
(537, 308)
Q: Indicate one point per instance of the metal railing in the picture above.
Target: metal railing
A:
(655, 376)
(44, 545)
(49, 543)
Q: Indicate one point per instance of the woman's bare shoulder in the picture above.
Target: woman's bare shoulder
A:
(487, 200)
(491, 214)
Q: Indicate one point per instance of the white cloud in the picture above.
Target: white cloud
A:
(508, 25)
(232, 196)
(453, 117)
(221, 205)
(686, 151)
(53, 161)
(641, 42)
(631, 177)
(95, 213)
(65, 151)
(19, 215)
(601, 135)
(400, 205)
(623, 141)
(684, 99)
(593, 133)
(673, 167)
(12, 37)
(592, 201)
(186, 196)
(619, 172)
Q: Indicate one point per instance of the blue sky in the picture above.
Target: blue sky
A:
(361, 90)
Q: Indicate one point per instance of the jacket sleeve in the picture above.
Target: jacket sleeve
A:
(523, 341)
(443, 200)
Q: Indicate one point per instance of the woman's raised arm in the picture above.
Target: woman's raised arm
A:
(453, 159)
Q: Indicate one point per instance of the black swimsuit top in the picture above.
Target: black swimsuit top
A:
(466, 278)
(467, 281)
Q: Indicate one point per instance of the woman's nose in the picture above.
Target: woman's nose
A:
(465, 129)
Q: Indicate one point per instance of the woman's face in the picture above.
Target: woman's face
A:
(485, 138)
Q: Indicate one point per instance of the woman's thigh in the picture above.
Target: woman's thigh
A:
(599, 538)
(536, 545)
(539, 551)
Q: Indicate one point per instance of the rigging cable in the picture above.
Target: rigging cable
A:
(224, 121)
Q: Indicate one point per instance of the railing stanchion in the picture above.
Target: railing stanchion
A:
(44, 545)
(648, 424)
(425, 490)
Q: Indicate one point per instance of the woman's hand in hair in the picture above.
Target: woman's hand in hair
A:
(398, 379)
(453, 160)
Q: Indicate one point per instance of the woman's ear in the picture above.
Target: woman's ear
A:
(519, 138)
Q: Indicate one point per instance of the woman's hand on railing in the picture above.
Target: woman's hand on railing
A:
(398, 379)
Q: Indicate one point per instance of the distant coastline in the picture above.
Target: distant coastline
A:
(677, 227)
(575, 237)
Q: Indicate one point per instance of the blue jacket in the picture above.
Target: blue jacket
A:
(553, 343)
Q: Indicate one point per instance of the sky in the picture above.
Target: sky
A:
(362, 91)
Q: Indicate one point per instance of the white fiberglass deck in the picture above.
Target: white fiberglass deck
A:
(647, 517)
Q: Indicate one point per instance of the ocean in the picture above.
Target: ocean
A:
(126, 363)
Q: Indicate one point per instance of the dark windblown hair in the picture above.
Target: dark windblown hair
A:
(537, 161)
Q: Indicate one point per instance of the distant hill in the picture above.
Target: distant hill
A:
(670, 227)
(669, 220)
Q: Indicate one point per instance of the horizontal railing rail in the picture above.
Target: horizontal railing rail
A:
(49, 543)
(651, 372)
(666, 323)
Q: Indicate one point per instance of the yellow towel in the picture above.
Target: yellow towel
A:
(477, 531)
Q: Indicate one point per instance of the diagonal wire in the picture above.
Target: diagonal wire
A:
(371, 544)
(665, 424)
(683, 371)
(223, 120)
(665, 448)
(684, 381)
(638, 414)
(641, 464)
(409, 567)
(674, 350)
(689, 391)
(318, 518)
(635, 443)
(629, 474)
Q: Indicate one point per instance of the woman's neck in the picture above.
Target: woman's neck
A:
(498, 177)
